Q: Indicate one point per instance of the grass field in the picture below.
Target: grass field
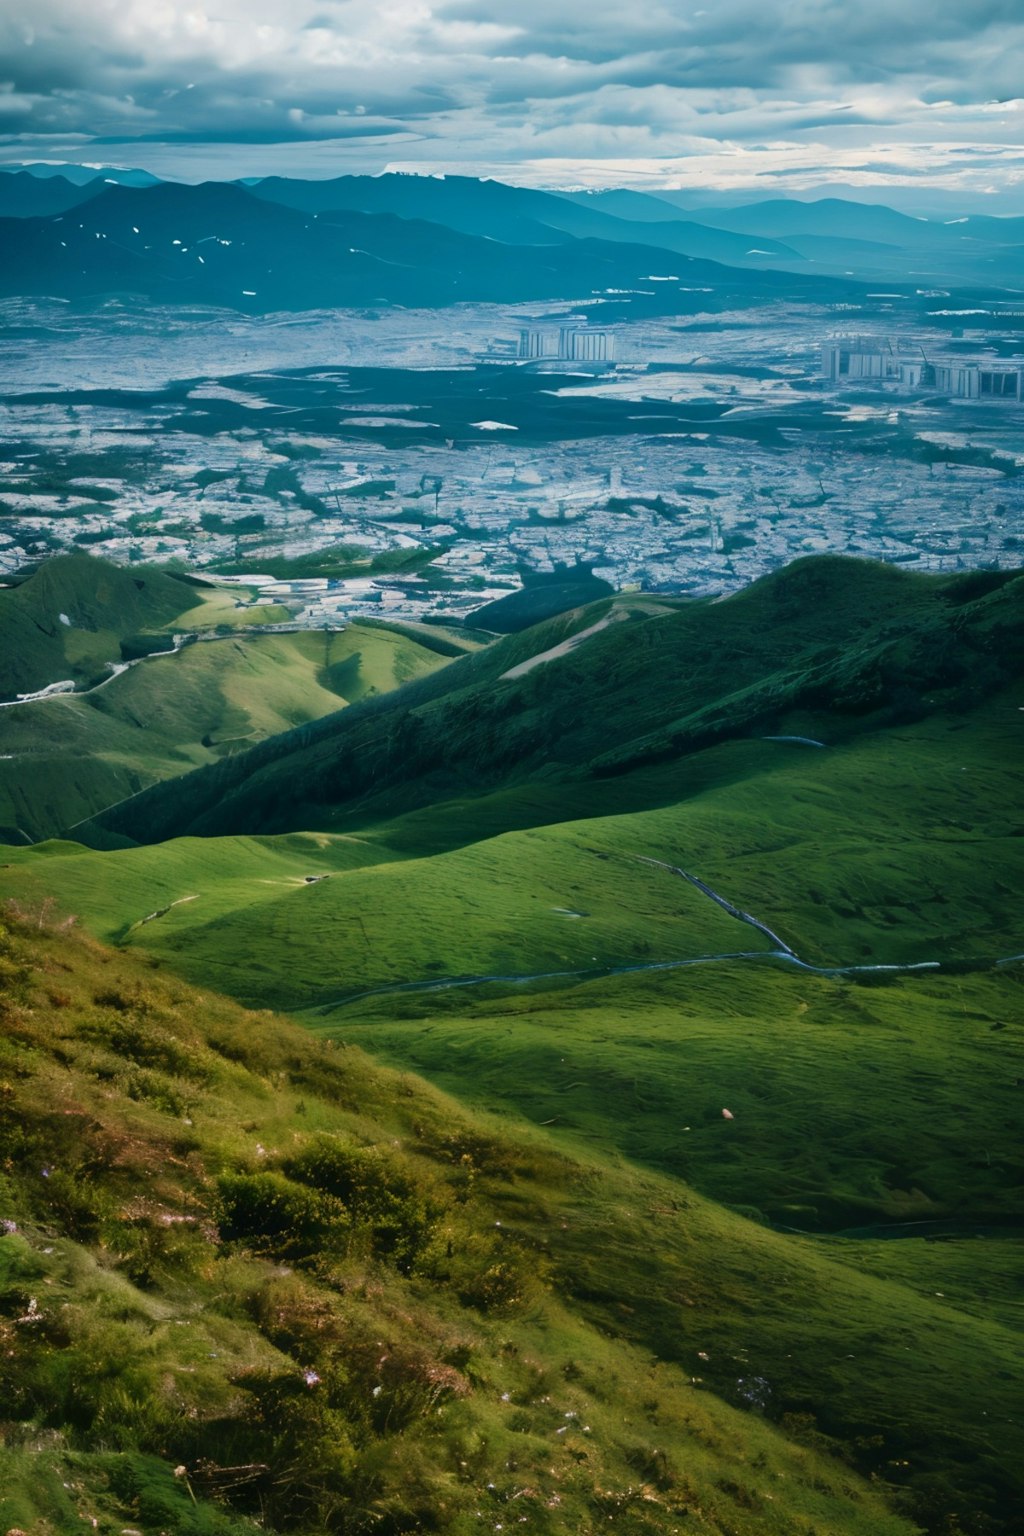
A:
(779, 1179)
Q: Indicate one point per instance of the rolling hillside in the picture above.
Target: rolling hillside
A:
(65, 757)
(703, 913)
(845, 645)
(68, 619)
(845, 903)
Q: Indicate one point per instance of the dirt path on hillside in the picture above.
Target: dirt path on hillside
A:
(564, 647)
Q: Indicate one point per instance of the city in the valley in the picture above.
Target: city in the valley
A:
(454, 460)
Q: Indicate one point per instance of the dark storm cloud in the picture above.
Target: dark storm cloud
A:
(741, 42)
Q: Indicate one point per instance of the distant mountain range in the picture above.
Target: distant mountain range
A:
(868, 240)
(226, 245)
(284, 243)
(516, 215)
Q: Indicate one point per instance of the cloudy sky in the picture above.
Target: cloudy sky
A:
(736, 94)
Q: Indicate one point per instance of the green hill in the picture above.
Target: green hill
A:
(829, 646)
(705, 914)
(68, 619)
(543, 595)
(68, 757)
(569, 953)
(251, 1279)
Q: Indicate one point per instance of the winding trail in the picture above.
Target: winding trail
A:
(67, 689)
(727, 906)
(779, 954)
(564, 646)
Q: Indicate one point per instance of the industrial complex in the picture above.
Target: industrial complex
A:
(872, 359)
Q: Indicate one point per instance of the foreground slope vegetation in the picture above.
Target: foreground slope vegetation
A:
(249, 1279)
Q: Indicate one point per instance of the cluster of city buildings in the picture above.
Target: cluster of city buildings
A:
(872, 359)
(540, 345)
(571, 343)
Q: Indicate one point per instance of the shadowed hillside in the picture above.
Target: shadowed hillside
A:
(848, 645)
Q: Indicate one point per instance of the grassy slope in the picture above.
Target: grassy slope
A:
(891, 849)
(66, 758)
(897, 848)
(102, 602)
(855, 1105)
(433, 1350)
(835, 643)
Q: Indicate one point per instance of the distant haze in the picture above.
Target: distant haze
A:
(917, 103)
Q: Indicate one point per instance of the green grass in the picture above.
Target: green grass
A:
(101, 603)
(854, 1106)
(881, 851)
(119, 890)
(508, 906)
(221, 606)
(837, 648)
(832, 1269)
(67, 758)
(860, 855)
(463, 1355)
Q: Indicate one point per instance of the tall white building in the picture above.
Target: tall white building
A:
(583, 346)
(859, 357)
(534, 344)
(573, 343)
(846, 359)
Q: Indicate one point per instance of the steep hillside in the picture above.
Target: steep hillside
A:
(838, 646)
(762, 926)
(276, 1396)
(248, 1279)
(713, 903)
